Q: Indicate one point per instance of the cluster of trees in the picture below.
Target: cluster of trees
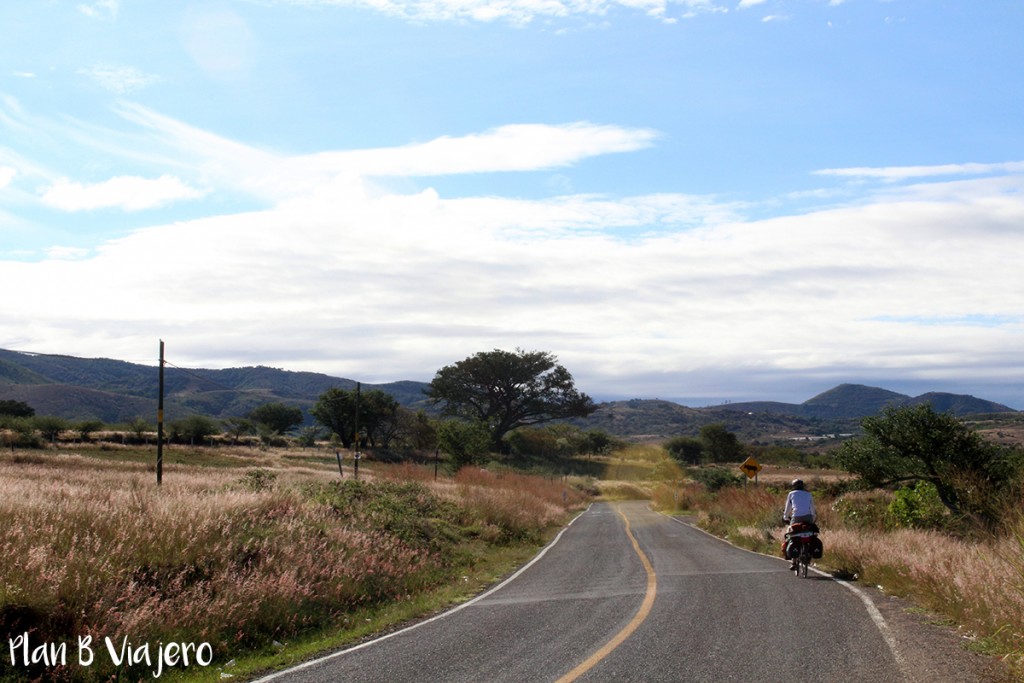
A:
(489, 402)
(716, 444)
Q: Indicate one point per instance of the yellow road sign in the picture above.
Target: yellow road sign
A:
(750, 467)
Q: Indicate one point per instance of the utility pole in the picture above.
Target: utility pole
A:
(355, 458)
(160, 422)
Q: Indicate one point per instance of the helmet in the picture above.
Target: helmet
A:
(798, 484)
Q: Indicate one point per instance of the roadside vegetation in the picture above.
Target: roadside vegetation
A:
(251, 551)
(920, 505)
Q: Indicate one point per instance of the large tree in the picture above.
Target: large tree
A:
(504, 390)
(907, 444)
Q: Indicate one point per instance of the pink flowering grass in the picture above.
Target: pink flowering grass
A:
(234, 557)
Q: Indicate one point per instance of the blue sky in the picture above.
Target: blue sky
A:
(694, 200)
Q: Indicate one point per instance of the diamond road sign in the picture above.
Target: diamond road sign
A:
(750, 467)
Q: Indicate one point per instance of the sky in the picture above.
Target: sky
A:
(694, 200)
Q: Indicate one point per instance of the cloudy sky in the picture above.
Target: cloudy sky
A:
(697, 200)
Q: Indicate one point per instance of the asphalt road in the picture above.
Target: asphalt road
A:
(626, 594)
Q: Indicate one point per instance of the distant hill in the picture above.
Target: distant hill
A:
(116, 391)
(854, 401)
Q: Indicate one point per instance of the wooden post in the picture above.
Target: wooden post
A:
(355, 458)
(160, 422)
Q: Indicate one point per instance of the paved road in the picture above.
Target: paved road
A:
(626, 594)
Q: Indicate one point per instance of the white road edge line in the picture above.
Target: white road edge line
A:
(880, 623)
(442, 615)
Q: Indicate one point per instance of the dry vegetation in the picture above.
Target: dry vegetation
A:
(244, 551)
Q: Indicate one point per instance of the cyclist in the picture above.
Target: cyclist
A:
(799, 504)
(799, 507)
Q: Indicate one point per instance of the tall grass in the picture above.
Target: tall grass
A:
(235, 557)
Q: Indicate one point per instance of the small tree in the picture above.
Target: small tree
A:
(685, 449)
(50, 426)
(237, 427)
(308, 436)
(465, 442)
(140, 429)
(719, 444)
(336, 411)
(193, 428)
(86, 428)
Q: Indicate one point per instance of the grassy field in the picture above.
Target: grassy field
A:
(262, 555)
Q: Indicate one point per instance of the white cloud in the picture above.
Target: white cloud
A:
(7, 174)
(523, 147)
(126, 192)
(387, 286)
(60, 253)
(520, 11)
(342, 276)
(101, 9)
(750, 3)
(895, 173)
(119, 80)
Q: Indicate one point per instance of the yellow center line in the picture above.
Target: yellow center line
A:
(638, 618)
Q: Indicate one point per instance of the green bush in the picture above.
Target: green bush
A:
(918, 507)
(714, 478)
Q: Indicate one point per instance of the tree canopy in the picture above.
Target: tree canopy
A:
(16, 408)
(504, 390)
(277, 417)
(336, 411)
(907, 444)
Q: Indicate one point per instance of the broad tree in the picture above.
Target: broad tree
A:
(277, 417)
(16, 408)
(504, 390)
(907, 444)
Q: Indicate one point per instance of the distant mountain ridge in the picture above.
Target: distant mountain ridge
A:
(848, 401)
(116, 391)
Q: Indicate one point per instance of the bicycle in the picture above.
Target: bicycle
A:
(802, 546)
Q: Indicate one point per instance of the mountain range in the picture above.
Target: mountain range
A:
(114, 391)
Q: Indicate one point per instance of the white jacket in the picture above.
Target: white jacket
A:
(798, 504)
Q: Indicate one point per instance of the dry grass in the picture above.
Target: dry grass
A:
(237, 556)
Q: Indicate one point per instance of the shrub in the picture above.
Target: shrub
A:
(714, 478)
(918, 507)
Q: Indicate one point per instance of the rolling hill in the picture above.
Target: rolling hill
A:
(116, 391)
